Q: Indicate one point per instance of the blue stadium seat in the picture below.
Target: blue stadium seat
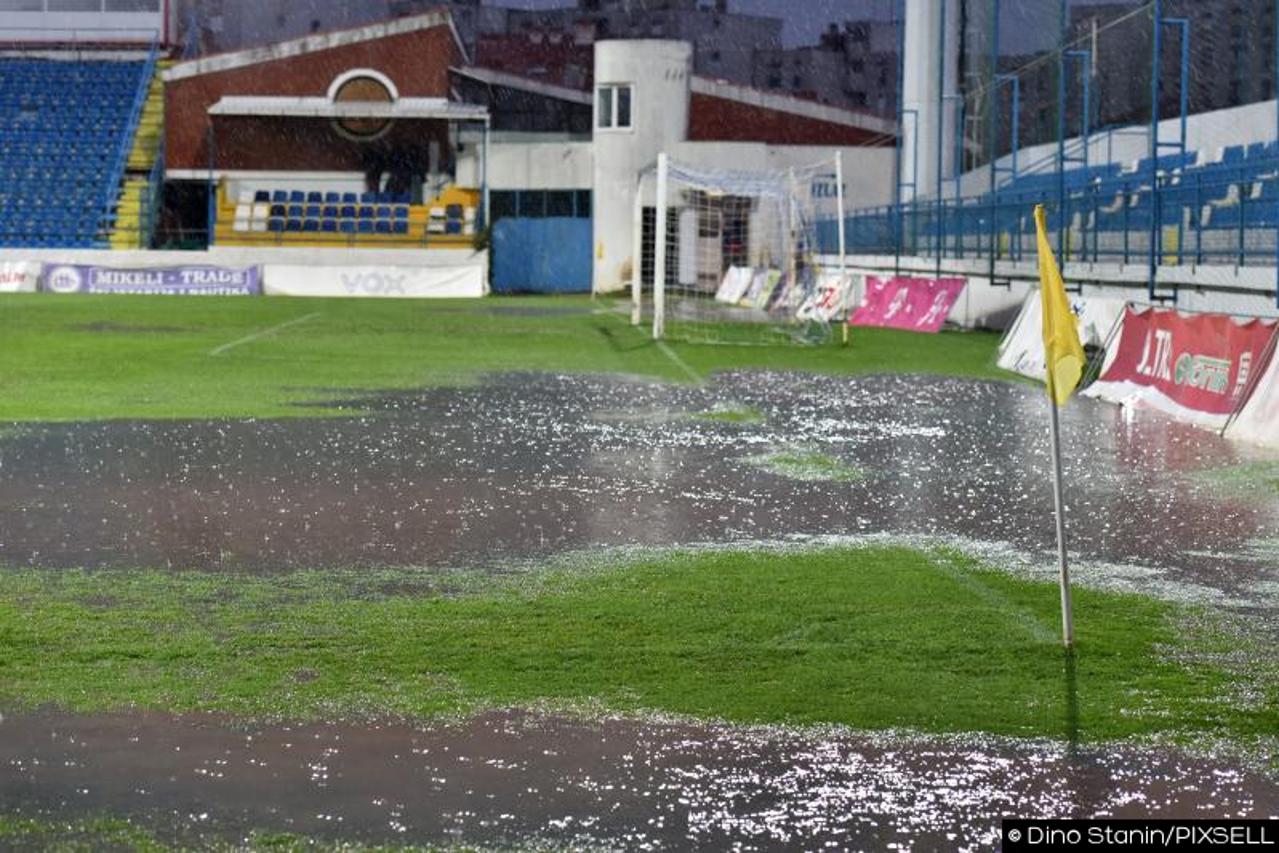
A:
(314, 197)
(332, 197)
(63, 128)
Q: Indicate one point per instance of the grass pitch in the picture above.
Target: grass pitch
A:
(867, 637)
(99, 357)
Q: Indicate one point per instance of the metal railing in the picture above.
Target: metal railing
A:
(115, 176)
(1216, 214)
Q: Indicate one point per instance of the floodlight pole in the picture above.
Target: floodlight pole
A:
(659, 251)
(1067, 619)
(839, 211)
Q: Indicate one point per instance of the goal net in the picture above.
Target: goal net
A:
(735, 260)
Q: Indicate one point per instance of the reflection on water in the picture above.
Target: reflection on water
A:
(536, 464)
(506, 777)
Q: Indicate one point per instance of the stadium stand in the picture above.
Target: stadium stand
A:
(295, 217)
(65, 128)
(1210, 207)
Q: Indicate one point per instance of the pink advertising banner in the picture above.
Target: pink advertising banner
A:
(914, 304)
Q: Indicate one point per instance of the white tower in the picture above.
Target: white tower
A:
(656, 72)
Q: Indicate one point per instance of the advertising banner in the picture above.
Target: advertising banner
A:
(425, 282)
(1258, 420)
(914, 304)
(832, 297)
(203, 280)
(1022, 349)
(19, 276)
(1195, 367)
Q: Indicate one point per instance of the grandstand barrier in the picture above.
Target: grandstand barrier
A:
(187, 280)
(1195, 367)
(1257, 419)
(913, 304)
(1022, 349)
(19, 276)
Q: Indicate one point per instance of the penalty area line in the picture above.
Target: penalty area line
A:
(262, 333)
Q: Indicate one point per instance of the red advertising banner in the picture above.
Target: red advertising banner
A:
(1193, 366)
(915, 304)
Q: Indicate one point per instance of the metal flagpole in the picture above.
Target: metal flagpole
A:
(1067, 620)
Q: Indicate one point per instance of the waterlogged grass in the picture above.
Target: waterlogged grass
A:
(84, 835)
(1258, 480)
(799, 463)
(868, 637)
(96, 357)
(731, 414)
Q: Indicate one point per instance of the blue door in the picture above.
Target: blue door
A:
(543, 255)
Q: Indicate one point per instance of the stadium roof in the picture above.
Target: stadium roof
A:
(315, 43)
(783, 103)
(321, 107)
(507, 80)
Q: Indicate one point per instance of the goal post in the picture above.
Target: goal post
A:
(732, 256)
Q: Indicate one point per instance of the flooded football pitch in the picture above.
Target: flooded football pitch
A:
(528, 467)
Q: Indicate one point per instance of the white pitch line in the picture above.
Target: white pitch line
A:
(679, 362)
(263, 333)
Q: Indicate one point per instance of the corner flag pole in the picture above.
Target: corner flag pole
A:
(1064, 363)
(1067, 617)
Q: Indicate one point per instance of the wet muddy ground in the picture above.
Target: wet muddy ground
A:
(533, 465)
(515, 778)
(529, 466)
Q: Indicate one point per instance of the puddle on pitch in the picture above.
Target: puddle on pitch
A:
(532, 465)
(510, 778)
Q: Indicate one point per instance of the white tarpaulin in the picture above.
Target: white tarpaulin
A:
(1022, 349)
(19, 276)
(1258, 418)
(425, 282)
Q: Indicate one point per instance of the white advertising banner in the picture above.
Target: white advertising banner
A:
(19, 276)
(1022, 349)
(402, 282)
(1258, 420)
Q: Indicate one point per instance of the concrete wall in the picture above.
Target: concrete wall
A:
(531, 166)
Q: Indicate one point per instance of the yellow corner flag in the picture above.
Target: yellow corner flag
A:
(1063, 353)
